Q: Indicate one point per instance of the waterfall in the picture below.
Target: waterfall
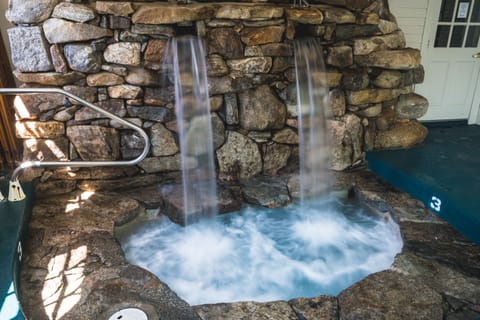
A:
(321, 246)
(185, 58)
(313, 111)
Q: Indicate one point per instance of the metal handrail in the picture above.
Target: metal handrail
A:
(105, 163)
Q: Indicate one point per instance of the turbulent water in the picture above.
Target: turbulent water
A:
(257, 254)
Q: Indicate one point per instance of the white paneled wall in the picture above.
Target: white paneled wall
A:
(411, 16)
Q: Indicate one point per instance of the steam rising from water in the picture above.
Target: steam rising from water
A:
(265, 254)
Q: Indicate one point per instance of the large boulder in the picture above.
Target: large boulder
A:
(346, 141)
(83, 58)
(411, 106)
(239, 157)
(162, 140)
(261, 109)
(62, 31)
(401, 135)
(390, 295)
(30, 52)
(95, 142)
(29, 11)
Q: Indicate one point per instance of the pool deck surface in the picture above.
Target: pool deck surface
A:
(75, 269)
(444, 173)
(13, 222)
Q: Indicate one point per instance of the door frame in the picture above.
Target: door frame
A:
(9, 144)
(433, 11)
(474, 117)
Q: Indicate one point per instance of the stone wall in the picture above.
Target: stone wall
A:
(110, 53)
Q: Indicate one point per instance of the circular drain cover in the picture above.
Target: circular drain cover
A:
(129, 314)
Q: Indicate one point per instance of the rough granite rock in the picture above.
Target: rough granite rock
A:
(62, 31)
(411, 106)
(29, 11)
(239, 157)
(116, 8)
(29, 49)
(168, 14)
(374, 95)
(217, 38)
(83, 58)
(32, 106)
(364, 46)
(49, 78)
(161, 164)
(248, 12)
(401, 135)
(251, 65)
(95, 142)
(162, 140)
(275, 157)
(125, 91)
(144, 77)
(55, 149)
(73, 11)
(390, 295)
(336, 15)
(340, 56)
(286, 136)
(401, 59)
(309, 16)
(266, 191)
(257, 36)
(125, 53)
(216, 66)
(321, 307)
(253, 115)
(104, 79)
(40, 129)
(346, 141)
(277, 310)
(388, 79)
(115, 106)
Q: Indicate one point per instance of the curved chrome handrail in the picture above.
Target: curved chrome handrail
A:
(105, 163)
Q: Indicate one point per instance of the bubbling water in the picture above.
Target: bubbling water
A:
(320, 247)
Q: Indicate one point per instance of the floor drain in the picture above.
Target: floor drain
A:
(129, 314)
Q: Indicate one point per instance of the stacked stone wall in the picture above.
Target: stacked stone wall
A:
(110, 53)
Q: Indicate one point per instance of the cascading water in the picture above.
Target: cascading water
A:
(185, 57)
(320, 246)
(313, 111)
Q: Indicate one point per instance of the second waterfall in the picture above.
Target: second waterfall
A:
(185, 61)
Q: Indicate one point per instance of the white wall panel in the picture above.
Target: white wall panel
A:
(411, 16)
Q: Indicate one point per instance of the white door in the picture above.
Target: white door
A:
(449, 50)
